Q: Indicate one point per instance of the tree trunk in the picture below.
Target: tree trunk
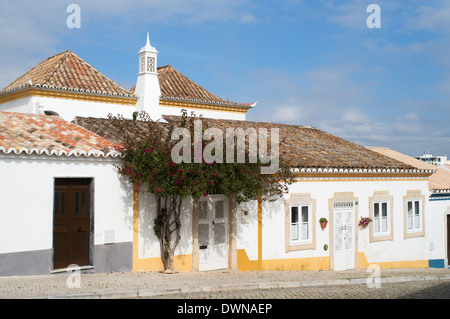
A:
(167, 228)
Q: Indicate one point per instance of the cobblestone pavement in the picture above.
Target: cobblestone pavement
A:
(403, 290)
(147, 284)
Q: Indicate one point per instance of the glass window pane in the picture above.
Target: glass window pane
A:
(410, 208)
(305, 217)
(219, 209)
(203, 210)
(83, 202)
(219, 233)
(203, 234)
(63, 203)
(294, 223)
(384, 209)
(294, 214)
(376, 210)
(77, 204)
(416, 215)
(56, 204)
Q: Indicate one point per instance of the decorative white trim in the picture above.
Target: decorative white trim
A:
(94, 153)
(58, 88)
(360, 170)
(200, 101)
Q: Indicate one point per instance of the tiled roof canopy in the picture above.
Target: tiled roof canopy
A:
(42, 134)
(176, 86)
(438, 182)
(306, 149)
(67, 70)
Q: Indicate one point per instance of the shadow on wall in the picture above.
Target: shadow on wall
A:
(148, 241)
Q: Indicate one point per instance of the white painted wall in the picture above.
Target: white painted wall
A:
(26, 197)
(399, 249)
(67, 109)
(148, 243)
(169, 110)
(436, 228)
(273, 236)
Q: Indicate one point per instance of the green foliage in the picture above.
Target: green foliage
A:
(147, 162)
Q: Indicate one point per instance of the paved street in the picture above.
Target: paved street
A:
(403, 290)
(395, 283)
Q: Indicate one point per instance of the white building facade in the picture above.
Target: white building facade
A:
(64, 202)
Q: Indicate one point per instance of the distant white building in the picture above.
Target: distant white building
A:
(432, 159)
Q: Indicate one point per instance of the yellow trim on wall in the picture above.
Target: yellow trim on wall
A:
(60, 94)
(244, 263)
(181, 263)
(314, 263)
(317, 263)
(200, 106)
(364, 263)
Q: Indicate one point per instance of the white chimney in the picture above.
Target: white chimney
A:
(147, 85)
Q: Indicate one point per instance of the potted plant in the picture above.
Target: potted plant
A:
(323, 222)
(364, 221)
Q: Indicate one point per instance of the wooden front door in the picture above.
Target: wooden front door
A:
(71, 222)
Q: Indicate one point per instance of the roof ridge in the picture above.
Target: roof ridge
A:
(68, 52)
(32, 69)
(197, 89)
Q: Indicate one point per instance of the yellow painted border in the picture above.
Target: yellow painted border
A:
(60, 94)
(287, 264)
(182, 263)
(316, 263)
(200, 106)
(364, 263)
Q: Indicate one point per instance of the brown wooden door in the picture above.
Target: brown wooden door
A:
(71, 222)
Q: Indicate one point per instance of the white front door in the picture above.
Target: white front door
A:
(344, 235)
(213, 232)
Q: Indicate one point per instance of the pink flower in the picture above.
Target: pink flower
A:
(205, 194)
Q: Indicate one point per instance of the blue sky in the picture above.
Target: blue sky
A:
(307, 62)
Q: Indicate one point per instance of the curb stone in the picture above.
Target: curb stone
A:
(148, 292)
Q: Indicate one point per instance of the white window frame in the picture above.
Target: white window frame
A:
(378, 221)
(300, 225)
(413, 219)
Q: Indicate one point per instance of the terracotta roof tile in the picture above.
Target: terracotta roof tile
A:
(303, 147)
(439, 181)
(68, 70)
(176, 86)
(42, 134)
